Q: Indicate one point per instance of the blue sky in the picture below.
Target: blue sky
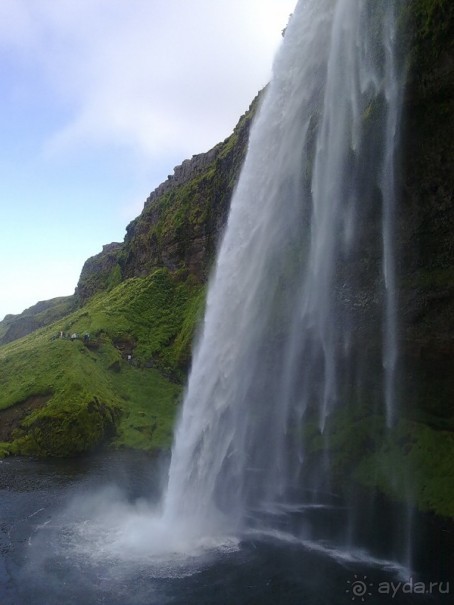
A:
(100, 99)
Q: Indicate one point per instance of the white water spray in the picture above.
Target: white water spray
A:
(305, 270)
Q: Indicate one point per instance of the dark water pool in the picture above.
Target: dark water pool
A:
(58, 547)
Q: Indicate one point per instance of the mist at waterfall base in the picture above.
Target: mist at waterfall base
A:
(305, 275)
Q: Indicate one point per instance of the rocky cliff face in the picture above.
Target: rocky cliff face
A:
(426, 216)
(181, 222)
(417, 450)
(183, 218)
(99, 273)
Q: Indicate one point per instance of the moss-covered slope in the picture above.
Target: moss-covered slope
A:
(182, 220)
(109, 371)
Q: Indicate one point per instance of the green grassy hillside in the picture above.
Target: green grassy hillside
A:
(119, 380)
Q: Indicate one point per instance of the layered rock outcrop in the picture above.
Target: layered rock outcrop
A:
(181, 221)
(99, 273)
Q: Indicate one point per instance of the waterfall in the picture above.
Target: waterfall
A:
(305, 274)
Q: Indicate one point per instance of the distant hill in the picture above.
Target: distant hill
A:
(42, 314)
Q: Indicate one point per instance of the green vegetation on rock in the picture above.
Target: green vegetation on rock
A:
(410, 462)
(63, 396)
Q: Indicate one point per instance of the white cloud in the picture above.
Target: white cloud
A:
(16, 27)
(155, 75)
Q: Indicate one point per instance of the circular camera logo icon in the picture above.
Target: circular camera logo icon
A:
(359, 588)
